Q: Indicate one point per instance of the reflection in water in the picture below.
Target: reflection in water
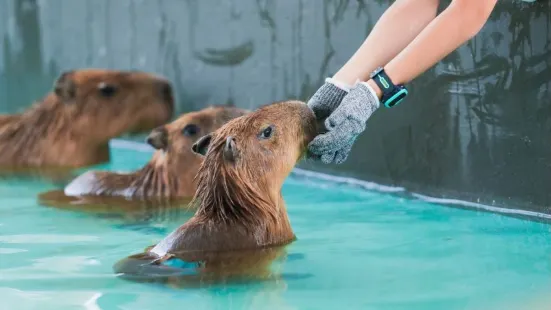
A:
(475, 126)
(131, 212)
(59, 176)
(203, 269)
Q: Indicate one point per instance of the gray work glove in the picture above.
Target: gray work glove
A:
(327, 98)
(344, 125)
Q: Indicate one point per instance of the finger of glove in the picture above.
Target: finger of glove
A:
(358, 104)
(312, 156)
(336, 118)
(337, 157)
(335, 139)
(313, 103)
(332, 140)
(346, 112)
(326, 99)
(319, 109)
(342, 154)
(328, 158)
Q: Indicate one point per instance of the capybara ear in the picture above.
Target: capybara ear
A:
(202, 145)
(64, 87)
(230, 149)
(158, 138)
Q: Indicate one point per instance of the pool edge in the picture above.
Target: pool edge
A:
(372, 186)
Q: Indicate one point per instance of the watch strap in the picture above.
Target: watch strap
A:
(383, 81)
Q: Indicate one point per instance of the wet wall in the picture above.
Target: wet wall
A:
(477, 126)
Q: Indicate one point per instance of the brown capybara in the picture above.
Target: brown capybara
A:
(172, 168)
(168, 176)
(6, 119)
(241, 224)
(71, 126)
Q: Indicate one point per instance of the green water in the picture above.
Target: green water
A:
(363, 250)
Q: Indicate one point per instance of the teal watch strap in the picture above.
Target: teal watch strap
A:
(392, 94)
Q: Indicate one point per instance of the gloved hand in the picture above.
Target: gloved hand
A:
(327, 98)
(344, 125)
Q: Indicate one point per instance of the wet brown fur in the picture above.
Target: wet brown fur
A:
(71, 126)
(125, 211)
(171, 171)
(241, 224)
(6, 119)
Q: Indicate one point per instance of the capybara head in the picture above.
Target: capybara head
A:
(107, 103)
(174, 141)
(171, 171)
(71, 125)
(247, 160)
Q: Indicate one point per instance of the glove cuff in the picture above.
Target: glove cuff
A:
(338, 84)
(330, 94)
(372, 94)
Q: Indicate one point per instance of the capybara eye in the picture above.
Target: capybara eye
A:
(190, 130)
(107, 90)
(266, 132)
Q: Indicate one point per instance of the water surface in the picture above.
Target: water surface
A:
(363, 250)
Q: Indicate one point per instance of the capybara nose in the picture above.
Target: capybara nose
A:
(230, 149)
(165, 91)
(158, 138)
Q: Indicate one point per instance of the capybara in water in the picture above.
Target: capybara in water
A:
(6, 119)
(71, 126)
(241, 224)
(156, 191)
(171, 171)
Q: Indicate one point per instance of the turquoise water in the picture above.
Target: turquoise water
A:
(363, 250)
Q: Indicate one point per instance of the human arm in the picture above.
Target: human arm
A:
(394, 30)
(461, 21)
(413, 16)
(453, 27)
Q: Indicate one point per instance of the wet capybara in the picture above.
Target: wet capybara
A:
(161, 183)
(71, 126)
(171, 171)
(6, 119)
(241, 224)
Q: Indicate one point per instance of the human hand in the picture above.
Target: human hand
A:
(344, 125)
(327, 98)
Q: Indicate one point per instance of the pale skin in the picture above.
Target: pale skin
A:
(409, 38)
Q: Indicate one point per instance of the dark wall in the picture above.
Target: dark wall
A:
(476, 126)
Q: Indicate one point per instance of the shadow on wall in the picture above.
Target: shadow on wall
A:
(24, 76)
(475, 127)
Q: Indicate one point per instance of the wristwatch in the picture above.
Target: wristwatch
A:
(392, 94)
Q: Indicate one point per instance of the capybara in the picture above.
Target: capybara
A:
(71, 126)
(165, 182)
(6, 119)
(171, 171)
(241, 224)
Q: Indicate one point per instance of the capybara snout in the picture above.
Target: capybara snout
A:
(158, 138)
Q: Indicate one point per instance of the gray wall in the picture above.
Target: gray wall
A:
(476, 126)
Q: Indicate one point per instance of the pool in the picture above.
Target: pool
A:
(361, 249)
